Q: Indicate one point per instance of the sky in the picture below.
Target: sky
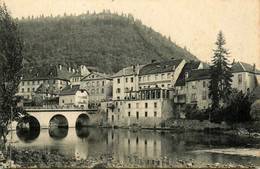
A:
(191, 23)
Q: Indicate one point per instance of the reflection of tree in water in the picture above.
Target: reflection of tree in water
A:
(83, 132)
(28, 129)
(58, 133)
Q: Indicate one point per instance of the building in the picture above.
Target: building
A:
(182, 94)
(73, 97)
(56, 77)
(148, 108)
(125, 80)
(160, 74)
(77, 75)
(245, 77)
(46, 96)
(99, 87)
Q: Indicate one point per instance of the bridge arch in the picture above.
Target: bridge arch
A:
(28, 129)
(83, 120)
(59, 121)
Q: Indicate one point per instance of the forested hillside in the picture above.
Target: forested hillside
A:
(108, 41)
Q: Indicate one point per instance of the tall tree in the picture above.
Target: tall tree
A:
(220, 70)
(11, 46)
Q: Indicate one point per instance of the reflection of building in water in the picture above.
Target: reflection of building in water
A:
(81, 149)
(127, 144)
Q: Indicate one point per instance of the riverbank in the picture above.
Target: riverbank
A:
(45, 159)
(246, 129)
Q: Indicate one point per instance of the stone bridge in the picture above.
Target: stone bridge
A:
(46, 118)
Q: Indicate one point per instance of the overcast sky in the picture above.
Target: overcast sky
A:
(194, 24)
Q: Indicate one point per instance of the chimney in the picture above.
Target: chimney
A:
(186, 75)
(233, 63)
(153, 61)
(73, 70)
(137, 69)
(124, 71)
(60, 67)
(173, 67)
(254, 69)
(69, 69)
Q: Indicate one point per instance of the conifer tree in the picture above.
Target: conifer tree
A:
(220, 70)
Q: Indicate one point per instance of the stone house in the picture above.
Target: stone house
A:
(245, 77)
(99, 87)
(56, 77)
(73, 97)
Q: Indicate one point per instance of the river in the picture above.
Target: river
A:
(125, 146)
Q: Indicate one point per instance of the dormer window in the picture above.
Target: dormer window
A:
(186, 74)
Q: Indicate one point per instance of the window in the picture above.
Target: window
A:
(93, 83)
(28, 83)
(33, 82)
(169, 85)
(112, 118)
(93, 76)
(146, 105)
(156, 77)
(129, 105)
(23, 83)
(239, 78)
(129, 114)
(62, 101)
(137, 140)
(103, 83)
(145, 142)
(118, 90)
(168, 75)
(118, 110)
(61, 82)
(148, 78)
(193, 84)
(102, 90)
(155, 105)
(137, 115)
(118, 98)
(193, 97)
(162, 76)
(97, 83)
(155, 114)
(145, 114)
(204, 95)
(118, 81)
(93, 91)
(140, 79)
(204, 83)
(88, 84)
(137, 105)
(28, 90)
(97, 91)
(22, 90)
(132, 79)
(116, 104)
(162, 85)
(126, 89)
(143, 78)
(120, 103)
(126, 80)
(33, 89)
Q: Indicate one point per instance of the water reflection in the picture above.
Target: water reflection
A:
(144, 148)
(58, 133)
(28, 134)
(83, 132)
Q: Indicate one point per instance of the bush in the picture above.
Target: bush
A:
(255, 111)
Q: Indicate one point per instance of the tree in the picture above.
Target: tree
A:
(11, 46)
(220, 74)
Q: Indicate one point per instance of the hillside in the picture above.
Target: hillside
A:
(108, 41)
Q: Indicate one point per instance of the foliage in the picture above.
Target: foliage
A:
(220, 71)
(11, 46)
(237, 110)
(197, 115)
(255, 111)
(108, 41)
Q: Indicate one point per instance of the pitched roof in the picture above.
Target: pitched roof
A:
(160, 67)
(76, 74)
(70, 90)
(45, 73)
(243, 67)
(198, 74)
(187, 67)
(43, 88)
(128, 71)
(101, 75)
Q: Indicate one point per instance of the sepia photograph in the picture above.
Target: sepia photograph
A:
(129, 84)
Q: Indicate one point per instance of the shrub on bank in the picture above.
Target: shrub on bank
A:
(255, 111)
